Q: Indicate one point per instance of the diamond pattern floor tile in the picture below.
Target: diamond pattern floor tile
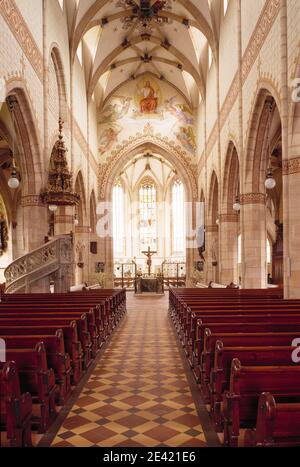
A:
(138, 394)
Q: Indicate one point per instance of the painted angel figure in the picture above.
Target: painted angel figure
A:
(108, 138)
(187, 138)
(114, 112)
(180, 111)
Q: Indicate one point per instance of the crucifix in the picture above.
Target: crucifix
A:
(149, 253)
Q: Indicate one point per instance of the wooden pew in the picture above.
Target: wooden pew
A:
(277, 424)
(249, 356)
(246, 327)
(72, 344)
(57, 358)
(106, 317)
(176, 294)
(96, 315)
(86, 322)
(187, 323)
(15, 407)
(240, 403)
(37, 379)
(240, 316)
(81, 324)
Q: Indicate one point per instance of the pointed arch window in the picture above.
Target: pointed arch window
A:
(210, 57)
(118, 219)
(178, 217)
(148, 214)
(225, 5)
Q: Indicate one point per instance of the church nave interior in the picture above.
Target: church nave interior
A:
(149, 232)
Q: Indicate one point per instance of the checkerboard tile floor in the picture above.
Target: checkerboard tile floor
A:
(138, 394)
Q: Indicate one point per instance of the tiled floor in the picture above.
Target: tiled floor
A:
(138, 393)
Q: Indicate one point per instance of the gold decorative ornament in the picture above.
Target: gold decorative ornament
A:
(59, 189)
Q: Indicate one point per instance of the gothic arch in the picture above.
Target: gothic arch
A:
(294, 114)
(27, 135)
(110, 170)
(140, 75)
(213, 201)
(256, 145)
(81, 208)
(9, 196)
(231, 178)
(103, 66)
(61, 81)
(93, 215)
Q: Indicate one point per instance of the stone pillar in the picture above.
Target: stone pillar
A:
(212, 253)
(191, 251)
(64, 277)
(35, 225)
(82, 248)
(291, 227)
(63, 225)
(229, 226)
(254, 237)
(64, 220)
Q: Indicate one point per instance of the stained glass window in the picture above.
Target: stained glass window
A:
(147, 213)
(178, 218)
(118, 219)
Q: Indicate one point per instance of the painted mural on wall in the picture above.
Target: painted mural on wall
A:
(146, 101)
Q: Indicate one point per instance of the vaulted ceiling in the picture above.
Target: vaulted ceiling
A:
(122, 39)
(147, 165)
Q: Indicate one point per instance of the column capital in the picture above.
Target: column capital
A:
(229, 217)
(82, 229)
(211, 228)
(32, 200)
(291, 166)
(63, 218)
(253, 198)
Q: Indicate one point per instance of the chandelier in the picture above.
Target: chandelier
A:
(59, 189)
(144, 11)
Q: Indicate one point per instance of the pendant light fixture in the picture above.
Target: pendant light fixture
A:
(13, 181)
(237, 205)
(270, 181)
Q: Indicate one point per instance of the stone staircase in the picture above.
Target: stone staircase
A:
(33, 272)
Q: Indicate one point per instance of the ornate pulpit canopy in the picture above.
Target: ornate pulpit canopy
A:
(59, 190)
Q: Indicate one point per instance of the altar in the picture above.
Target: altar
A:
(149, 285)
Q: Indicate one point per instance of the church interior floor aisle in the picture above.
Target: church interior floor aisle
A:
(137, 393)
